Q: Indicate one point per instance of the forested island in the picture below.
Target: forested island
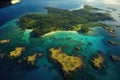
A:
(63, 20)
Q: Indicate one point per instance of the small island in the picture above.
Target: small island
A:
(17, 52)
(98, 61)
(32, 59)
(16, 60)
(63, 20)
(69, 63)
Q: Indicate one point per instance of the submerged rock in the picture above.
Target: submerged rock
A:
(31, 59)
(0, 50)
(78, 48)
(4, 41)
(109, 29)
(114, 58)
(2, 55)
(112, 42)
(112, 35)
(50, 69)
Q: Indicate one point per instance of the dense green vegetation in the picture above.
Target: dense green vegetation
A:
(59, 19)
(85, 27)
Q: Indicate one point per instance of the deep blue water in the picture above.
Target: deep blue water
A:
(98, 37)
(33, 6)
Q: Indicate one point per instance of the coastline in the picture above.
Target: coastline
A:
(77, 8)
(53, 32)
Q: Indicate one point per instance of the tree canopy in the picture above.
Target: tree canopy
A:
(59, 19)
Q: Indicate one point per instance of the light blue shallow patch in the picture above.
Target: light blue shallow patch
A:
(89, 44)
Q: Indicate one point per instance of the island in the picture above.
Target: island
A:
(68, 63)
(32, 59)
(17, 52)
(112, 42)
(63, 20)
(98, 61)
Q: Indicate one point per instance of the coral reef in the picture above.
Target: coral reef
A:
(32, 59)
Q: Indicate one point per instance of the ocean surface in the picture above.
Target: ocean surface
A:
(68, 40)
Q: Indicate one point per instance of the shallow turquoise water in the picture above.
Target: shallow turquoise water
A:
(89, 44)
